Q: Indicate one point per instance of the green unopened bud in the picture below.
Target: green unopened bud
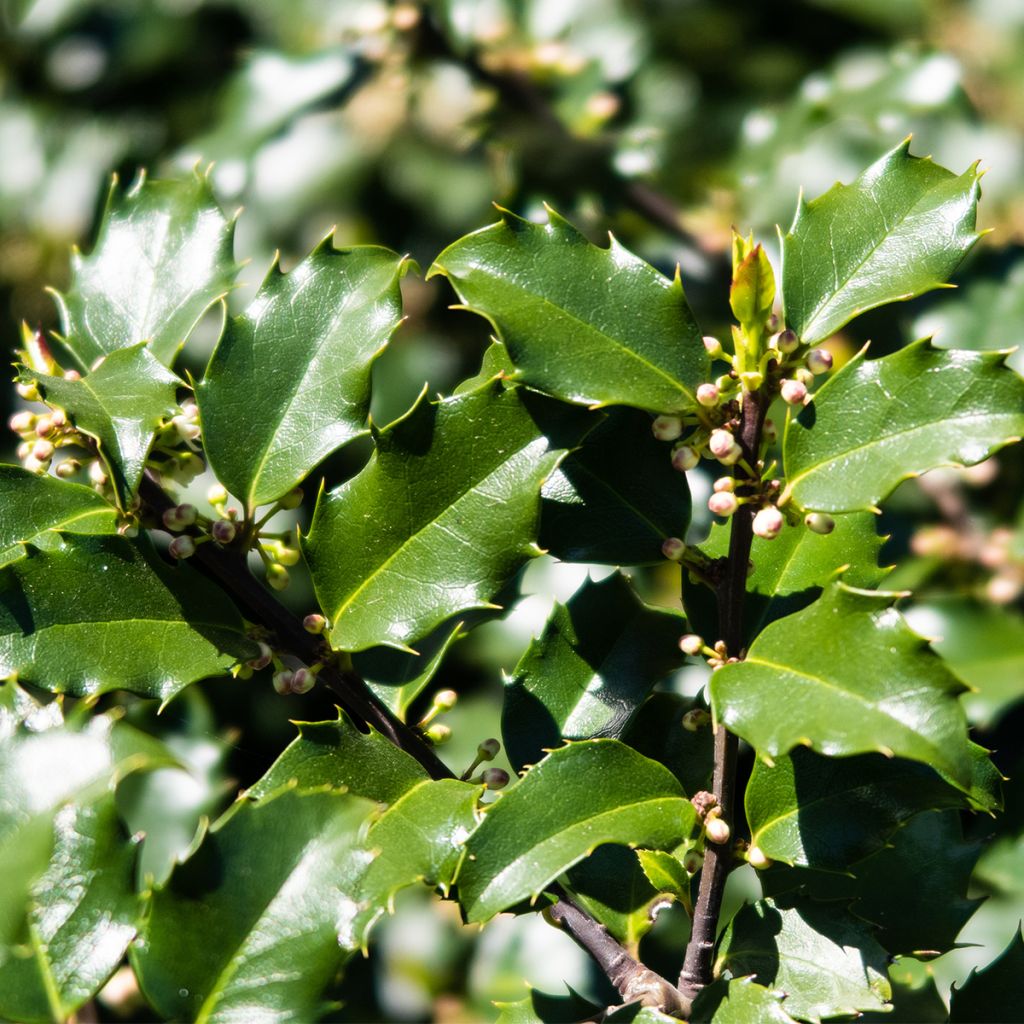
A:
(277, 576)
(788, 342)
(724, 483)
(819, 522)
(28, 391)
(819, 360)
(438, 733)
(97, 473)
(713, 347)
(445, 700)
(293, 499)
(286, 555)
(695, 719)
(217, 494)
(488, 750)
(263, 659)
(314, 624)
(494, 778)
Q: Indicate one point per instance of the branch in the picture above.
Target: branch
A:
(698, 962)
(229, 568)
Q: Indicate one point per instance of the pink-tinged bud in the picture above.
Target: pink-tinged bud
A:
(22, 422)
(217, 494)
(277, 576)
(488, 750)
(819, 522)
(171, 519)
(693, 861)
(223, 531)
(190, 410)
(819, 360)
(757, 858)
(713, 346)
(263, 659)
(181, 547)
(72, 375)
(673, 548)
(768, 523)
(303, 680)
(667, 428)
(684, 458)
(445, 700)
(59, 419)
(186, 514)
(724, 447)
(691, 644)
(68, 468)
(283, 681)
(314, 624)
(788, 341)
(770, 432)
(97, 474)
(438, 734)
(695, 719)
(293, 499)
(43, 451)
(186, 430)
(724, 483)
(793, 392)
(723, 503)
(708, 395)
(44, 426)
(494, 778)
(717, 831)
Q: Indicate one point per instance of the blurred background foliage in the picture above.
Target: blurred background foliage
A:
(664, 121)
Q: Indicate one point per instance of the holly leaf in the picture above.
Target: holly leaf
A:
(614, 331)
(337, 755)
(306, 345)
(873, 424)
(899, 230)
(556, 816)
(249, 926)
(31, 505)
(991, 995)
(595, 663)
(162, 258)
(665, 872)
(790, 571)
(738, 1001)
(616, 497)
(440, 519)
(847, 676)
(825, 961)
(120, 404)
(104, 613)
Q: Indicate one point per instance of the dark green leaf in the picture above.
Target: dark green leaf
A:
(440, 519)
(589, 325)
(847, 676)
(596, 661)
(557, 815)
(163, 257)
(876, 423)
(495, 363)
(616, 498)
(104, 613)
(739, 1001)
(826, 962)
(306, 345)
(992, 995)
(915, 996)
(665, 872)
(900, 229)
(120, 404)
(31, 504)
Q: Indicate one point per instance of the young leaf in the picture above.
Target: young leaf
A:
(992, 994)
(847, 676)
(616, 497)
(597, 660)
(665, 872)
(104, 613)
(612, 331)
(248, 927)
(339, 756)
(876, 423)
(162, 258)
(826, 962)
(31, 505)
(739, 1001)
(441, 517)
(306, 346)
(120, 404)
(900, 229)
(557, 815)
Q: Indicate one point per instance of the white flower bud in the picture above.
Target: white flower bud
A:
(724, 447)
(217, 494)
(757, 858)
(68, 468)
(33, 465)
(667, 428)
(44, 426)
(43, 451)
(723, 503)
(673, 548)
(768, 523)
(283, 681)
(181, 547)
(713, 346)
(788, 341)
(717, 831)
(724, 483)
(819, 360)
(186, 430)
(708, 395)
(1002, 589)
(804, 376)
(819, 522)
(303, 680)
(277, 576)
(693, 861)
(684, 458)
(494, 778)
(488, 749)
(22, 422)
(314, 624)
(691, 643)
(97, 473)
(24, 450)
(445, 700)
(793, 392)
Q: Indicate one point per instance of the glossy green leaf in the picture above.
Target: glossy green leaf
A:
(248, 928)
(120, 404)
(613, 331)
(443, 515)
(790, 571)
(992, 995)
(339, 756)
(739, 1001)
(665, 872)
(557, 815)
(847, 676)
(162, 258)
(827, 813)
(306, 345)
(827, 963)
(104, 613)
(900, 229)
(915, 996)
(31, 505)
(615, 498)
(494, 363)
(419, 838)
(586, 675)
(875, 423)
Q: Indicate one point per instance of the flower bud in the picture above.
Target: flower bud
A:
(445, 700)
(186, 514)
(793, 392)
(819, 360)
(685, 458)
(72, 375)
(438, 734)
(770, 432)
(68, 468)
(724, 483)
(673, 548)
(708, 395)
(667, 428)
(303, 680)
(819, 522)
(24, 450)
(22, 422)
(59, 419)
(97, 473)
(43, 450)
(283, 681)
(33, 465)
(695, 719)
(171, 520)
(488, 749)
(186, 430)
(724, 447)
(277, 576)
(494, 778)
(693, 861)
(314, 624)
(757, 858)
(45, 426)
(804, 376)
(691, 643)
(28, 391)
(723, 503)
(773, 323)
(181, 547)
(223, 531)
(717, 831)
(768, 522)
(216, 494)
(788, 341)
(713, 346)
(263, 659)
(293, 499)
(286, 555)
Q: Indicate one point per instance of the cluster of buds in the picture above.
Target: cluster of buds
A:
(41, 435)
(490, 778)
(173, 455)
(298, 680)
(995, 552)
(277, 550)
(437, 732)
(202, 529)
(716, 830)
(717, 656)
